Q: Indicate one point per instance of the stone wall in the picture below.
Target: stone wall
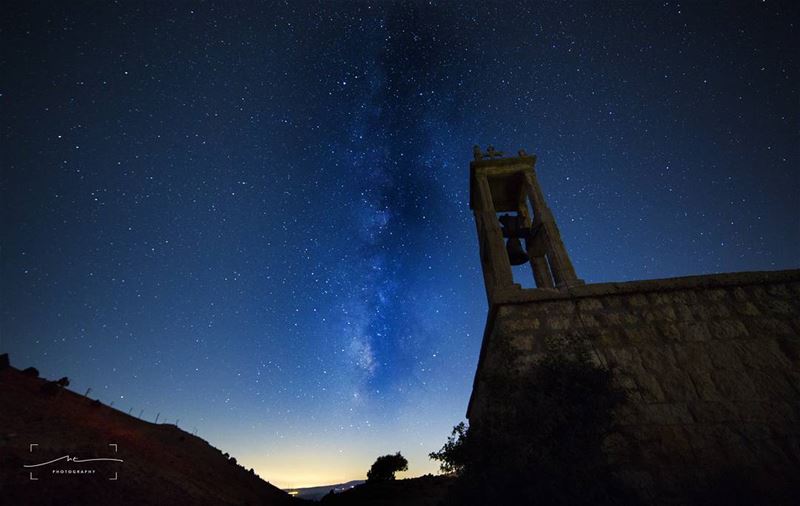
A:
(711, 365)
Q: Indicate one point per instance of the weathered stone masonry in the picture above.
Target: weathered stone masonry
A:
(711, 365)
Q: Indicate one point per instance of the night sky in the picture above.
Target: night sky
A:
(254, 217)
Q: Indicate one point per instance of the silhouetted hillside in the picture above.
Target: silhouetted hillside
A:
(162, 464)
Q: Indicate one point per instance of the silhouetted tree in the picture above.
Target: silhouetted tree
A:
(54, 387)
(385, 466)
(31, 371)
(453, 455)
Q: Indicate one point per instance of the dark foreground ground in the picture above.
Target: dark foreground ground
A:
(162, 463)
(423, 491)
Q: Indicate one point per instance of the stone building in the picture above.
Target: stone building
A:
(711, 364)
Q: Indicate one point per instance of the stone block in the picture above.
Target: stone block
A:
(727, 329)
(710, 311)
(793, 377)
(705, 387)
(614, 302)
(658, 359)
(611, 319)
(752, 411)
(677, 386)
(683, 312)
(589, 304)
(638, 300)
(662, 413)
(740, 295)
(692, 331)
(771, 327)
(778, 307)
(662, 313)
(625, 381)
(779, 290)
(609, 338)
(764, 354)
(724, 354)
(691, 356)
(716, 294)
(641, 336)
(522, 342)
(675, 447)
(557, 307)
(649, 386)
(734, 385)
(771, 385)
(559, 322)
(513, 325)
(713, 411)
(734, 445)
(657, 298)
(784, 413)
(587, 321)
(790, 348)
(746, 309)
(684, 297)
(527, 311)
(506, 311)
(624, 358)
(718, 445)
(669, 331)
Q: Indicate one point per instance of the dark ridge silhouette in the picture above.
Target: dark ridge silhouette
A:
(162, 463)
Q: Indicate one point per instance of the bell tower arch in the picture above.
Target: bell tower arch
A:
(515, 226)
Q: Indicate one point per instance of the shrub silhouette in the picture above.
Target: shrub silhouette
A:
(31, 371)
(54, 387)
(453, 455)
(385, 466)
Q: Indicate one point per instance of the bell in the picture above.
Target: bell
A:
(516, 255)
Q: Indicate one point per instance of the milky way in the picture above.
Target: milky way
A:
(253, 218)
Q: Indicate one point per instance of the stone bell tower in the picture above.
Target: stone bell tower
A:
(509, 185)
(710, 365)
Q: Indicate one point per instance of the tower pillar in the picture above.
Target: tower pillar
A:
(501, 184)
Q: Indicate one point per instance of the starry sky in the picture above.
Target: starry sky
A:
(253, 217)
